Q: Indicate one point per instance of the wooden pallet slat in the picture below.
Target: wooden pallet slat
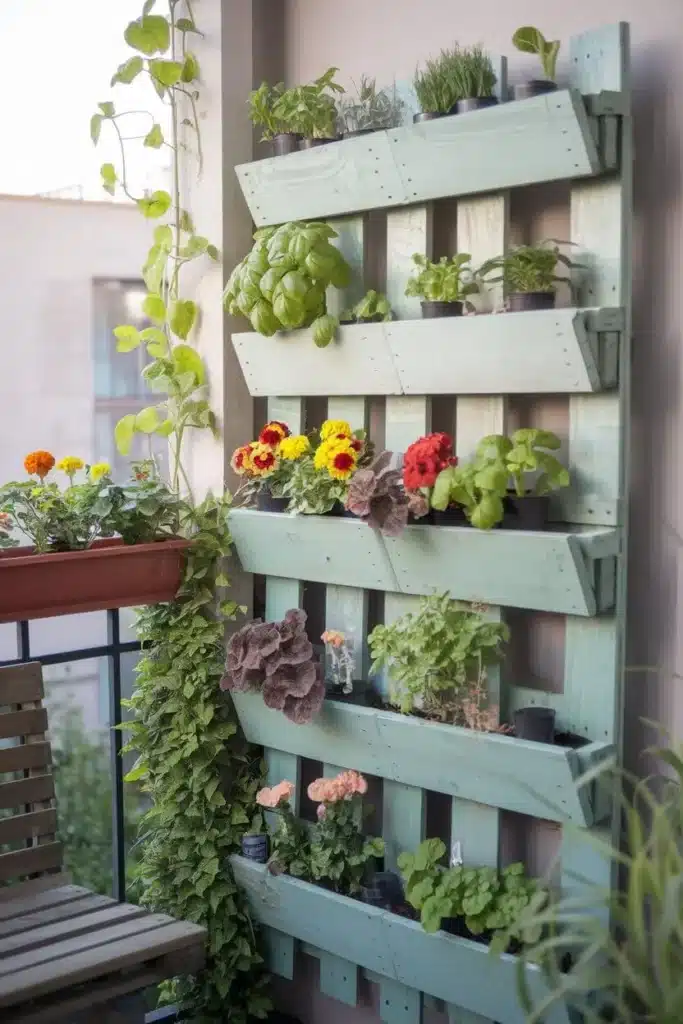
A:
(23, 723)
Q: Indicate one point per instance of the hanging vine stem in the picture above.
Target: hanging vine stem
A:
(201, 777)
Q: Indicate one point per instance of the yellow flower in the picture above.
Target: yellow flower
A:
(340, 458)
(98, 470)
(263, 460)
(70, 465)
(334, 428)
(322, 453)
(292, 448)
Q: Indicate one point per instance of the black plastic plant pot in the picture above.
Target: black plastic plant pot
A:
(453, 925)
(360, 131)
(537, 724)
(526, 302)
(339, 511)
(529, 512)
(314, 143)
(454, 515)
(285, 142)
(265, 502)
(255, 847)
(383, 889)
(432, 115)
(475, 103)
(431, 309)
(534, 87)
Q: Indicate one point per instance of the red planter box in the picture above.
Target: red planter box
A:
(110, 574)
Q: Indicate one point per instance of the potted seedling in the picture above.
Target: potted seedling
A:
(423, 461)
(528, 452)
(372, 309)
(443, 286)
(531, 40)
(475, 80)
(535, 723)
(456, 81)
(528, 273)
(368, 109)
(300, 117)
(255, 841)
(267, 110)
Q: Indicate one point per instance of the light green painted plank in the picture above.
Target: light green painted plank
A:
(279, 952)
(351, 242)
(398, 1004)
(535, 779)
(543, 139)
(403, 820)
(515, 568)
(455, 970)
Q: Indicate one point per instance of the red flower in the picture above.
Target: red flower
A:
(343, 462)
(264, 461)
(273, 433)
(424, 460)
(356, 444)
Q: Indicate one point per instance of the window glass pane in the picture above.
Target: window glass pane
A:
(67, 633)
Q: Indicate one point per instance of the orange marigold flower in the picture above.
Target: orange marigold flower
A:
(263, 459)
(273, 433)
(240, 462)
(39, 463)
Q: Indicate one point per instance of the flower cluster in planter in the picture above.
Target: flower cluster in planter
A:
(307, 474)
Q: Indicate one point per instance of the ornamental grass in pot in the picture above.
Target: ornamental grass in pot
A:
(531, 40)
(458, 80)
(95, 544)
(444, 287)
(369, 109)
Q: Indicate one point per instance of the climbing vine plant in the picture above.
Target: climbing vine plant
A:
(200, 776)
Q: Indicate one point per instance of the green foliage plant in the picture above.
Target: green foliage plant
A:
(374, 306)
(281, 284)
(456, 74)
(528, 268)
(436, 655)
(485, 899)
(474, 74)
(311, 491)
(290, 839)
(531, 40)
(449, 280)
(143, 510)
(369, 108)
(340, 853)
(200, 778)
(54, 518)
(307, 110)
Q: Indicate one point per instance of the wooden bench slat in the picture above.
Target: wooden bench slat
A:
(96, 993)
(30, 861)
(27, 755)
(21, 684)
(74, 908)
(17, 724)
(27, 791)
(163, 937)
(28, 826)
(71, 928)
(60, 892)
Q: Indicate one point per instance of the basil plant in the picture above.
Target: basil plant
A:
(280, 285)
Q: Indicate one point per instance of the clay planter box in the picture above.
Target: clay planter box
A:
(110, 574)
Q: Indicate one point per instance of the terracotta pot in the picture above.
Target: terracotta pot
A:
(110, 574)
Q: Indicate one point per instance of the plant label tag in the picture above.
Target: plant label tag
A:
(456, 853)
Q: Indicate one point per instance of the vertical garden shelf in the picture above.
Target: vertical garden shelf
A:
(577, 570)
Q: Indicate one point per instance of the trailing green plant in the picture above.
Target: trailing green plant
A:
(528, 268)
(340, 853)
(200, 777)
(449, 280)
(281, 284)
(625, 942)
(373, 306)
(435, 655)
(308, 110)
(370, 109)
(486, 900)
(531, 40)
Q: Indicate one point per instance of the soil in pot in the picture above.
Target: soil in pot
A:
(527, 302)
(360, 694)
(285, 142)
(475, 103)
(265, 502)
(534, 87)
(314, 143)
(383, 889)
(255, 847)
(529, 512)
(536, 724)
(454, 515)
(432, 309)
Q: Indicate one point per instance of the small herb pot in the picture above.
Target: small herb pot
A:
(314, 143)
(475, 103)
(536, 724)
(534, 87)
(525, 302)
(383, 889)
(454, 515)
(285, 142)
(265, 502)
(529, 512)
(432, 309)
(255, 847)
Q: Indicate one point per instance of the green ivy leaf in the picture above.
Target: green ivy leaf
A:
(124, 432)
(163, 236)
(128, 71)
(149, 34)
(183, 316)
(109, 179)
(187, 360)
(156, 342)
(155, 267)
(155, 205)
(147, 420)
(153, 307)
(165, 428)
(213, 253)
(186, 223)
(222, 580)
(154, 137)
(196, 245)
(107, 108)
(95, 128)
(166, 72)
(127, 338)
(190, 69)
(186, 25)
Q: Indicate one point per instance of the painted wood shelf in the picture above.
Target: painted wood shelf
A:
(547, 138)
(568, 351)
(570, 573)
(500, 771)
(461, 972)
